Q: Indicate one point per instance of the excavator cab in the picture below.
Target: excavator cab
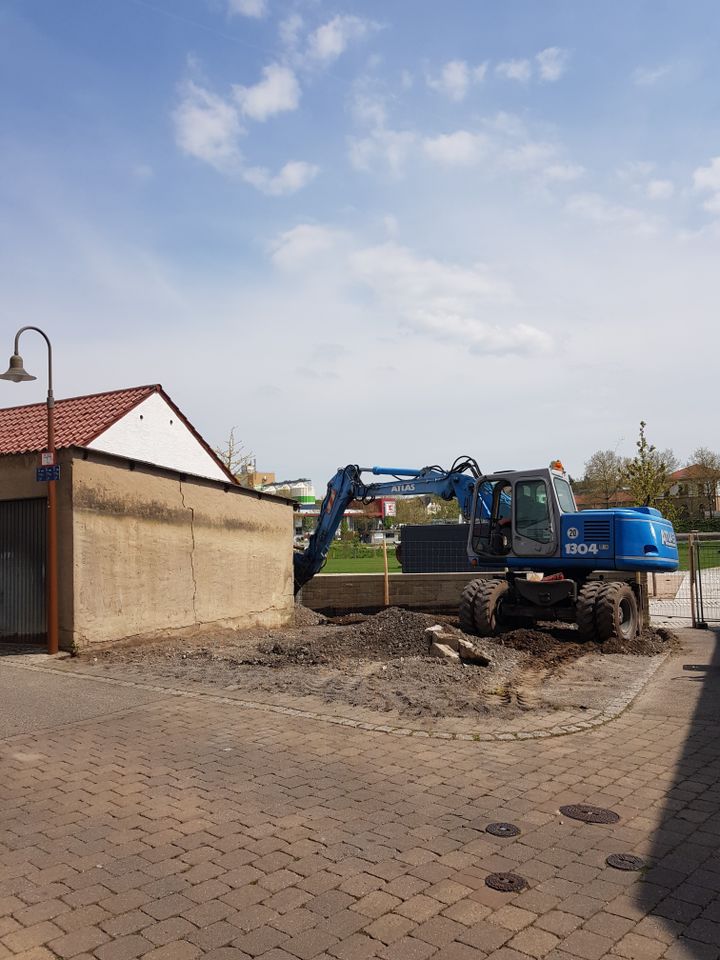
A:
(517, 513)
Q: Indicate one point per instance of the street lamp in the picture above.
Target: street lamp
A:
(17, 373)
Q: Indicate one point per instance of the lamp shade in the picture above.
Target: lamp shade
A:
(16, 371)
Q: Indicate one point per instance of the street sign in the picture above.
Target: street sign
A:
(43, 474)
(47, 459)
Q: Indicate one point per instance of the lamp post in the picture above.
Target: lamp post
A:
(17, 373)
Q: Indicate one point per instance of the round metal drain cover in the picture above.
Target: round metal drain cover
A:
(589, 814)
(505, 882)
(625, 861)
(503, 830)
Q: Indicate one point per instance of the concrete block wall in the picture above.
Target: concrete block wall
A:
(333, 592)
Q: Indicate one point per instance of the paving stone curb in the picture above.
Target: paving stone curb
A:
(611, 712)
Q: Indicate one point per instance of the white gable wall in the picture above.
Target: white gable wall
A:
(153, 432)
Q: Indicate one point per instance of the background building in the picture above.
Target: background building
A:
(155, 534)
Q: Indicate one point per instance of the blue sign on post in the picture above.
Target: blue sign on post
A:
(43, 474)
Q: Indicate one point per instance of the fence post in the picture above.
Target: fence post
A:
(386, 582)
(691, 558)
(701, 624)
(642, 584)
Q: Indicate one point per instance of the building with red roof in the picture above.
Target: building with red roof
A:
(155, 534)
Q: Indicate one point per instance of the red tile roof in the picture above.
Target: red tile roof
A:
(78, 420)
(694, 471)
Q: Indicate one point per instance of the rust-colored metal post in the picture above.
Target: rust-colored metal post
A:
(17, 374)
(53, 621)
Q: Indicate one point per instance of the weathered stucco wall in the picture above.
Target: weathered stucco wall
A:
(155, 553)
(17, 482)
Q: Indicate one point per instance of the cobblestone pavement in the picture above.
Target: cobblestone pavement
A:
(175, 827)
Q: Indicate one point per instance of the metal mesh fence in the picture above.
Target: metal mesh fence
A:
(707, 580)
(692, 594)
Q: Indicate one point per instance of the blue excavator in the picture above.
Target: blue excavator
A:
(550, 561)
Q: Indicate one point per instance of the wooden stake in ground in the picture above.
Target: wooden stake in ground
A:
(387, 576)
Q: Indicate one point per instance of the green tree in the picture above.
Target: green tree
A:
(446, 510)
(413, 510)
(646, 475)
(604, 476)
(708, 476)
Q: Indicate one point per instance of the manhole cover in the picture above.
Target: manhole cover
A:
(625, 861)
(503, 829)
(589, 814)
(505, 882)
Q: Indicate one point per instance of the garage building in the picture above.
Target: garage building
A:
(155, 535)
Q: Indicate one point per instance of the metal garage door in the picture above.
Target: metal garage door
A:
(23, 525)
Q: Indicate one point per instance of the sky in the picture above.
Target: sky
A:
(379, 233)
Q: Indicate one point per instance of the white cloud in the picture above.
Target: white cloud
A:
(520, 70)
(207, 127)
(290, 29)
(392, 227)
(446, 302)
(600, 210)
(143, 172)
(292, 177)
(369, 110)
(552, 63)
(277, 92)
(418, 298)
(455, 79)
(650, 76)
(660, 189)
(331, 40)
(530, 155)
(248, 8)
(564, 172)
(461, 148)
(293, 248)
(386, 148)
(707, 180)
(635, 169)
(480, 72)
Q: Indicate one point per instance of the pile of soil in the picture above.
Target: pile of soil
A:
(382, 663)
(389, 634)
(554, 639)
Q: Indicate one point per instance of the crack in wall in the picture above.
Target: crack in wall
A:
(192, 552)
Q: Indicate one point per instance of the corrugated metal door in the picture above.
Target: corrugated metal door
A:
(23, 527)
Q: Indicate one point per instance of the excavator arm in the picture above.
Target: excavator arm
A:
(460, 482)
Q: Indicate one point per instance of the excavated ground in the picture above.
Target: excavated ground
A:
(381, 663)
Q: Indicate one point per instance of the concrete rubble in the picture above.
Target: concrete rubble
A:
(451, 645)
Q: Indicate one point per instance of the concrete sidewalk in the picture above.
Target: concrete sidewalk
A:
(174, 827)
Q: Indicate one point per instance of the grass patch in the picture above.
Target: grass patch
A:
(709, 554)
(361, 564)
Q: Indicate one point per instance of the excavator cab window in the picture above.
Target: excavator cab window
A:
(532, 512)
(501, 519)
(492, 535)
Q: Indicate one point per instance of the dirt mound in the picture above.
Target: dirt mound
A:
(555, 638)
(382, 663)
(386, 636)
(305, 617)
(395, 633)
(650, 643)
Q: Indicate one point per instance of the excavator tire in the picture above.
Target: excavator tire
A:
(487, 607)
(585, 610)
(616, 612)
(466, 613)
